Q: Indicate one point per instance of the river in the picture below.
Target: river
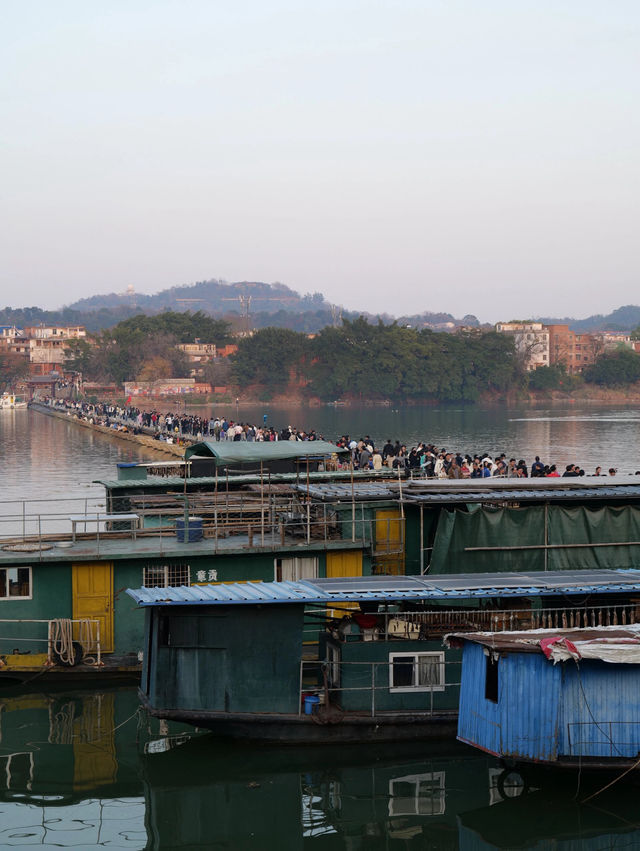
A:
(87, 770)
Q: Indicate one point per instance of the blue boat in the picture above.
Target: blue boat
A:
(563, 698)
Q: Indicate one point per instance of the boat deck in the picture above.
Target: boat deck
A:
(124, 546)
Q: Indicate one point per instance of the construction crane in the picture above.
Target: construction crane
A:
(245, 302)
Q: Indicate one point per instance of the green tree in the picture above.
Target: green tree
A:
(615, 369)
(13, 367)
(268, 357)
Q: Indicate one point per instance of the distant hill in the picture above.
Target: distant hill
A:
(625, 318)
(269, 305)
(212, 297)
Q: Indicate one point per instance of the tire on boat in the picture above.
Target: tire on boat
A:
(78, 653)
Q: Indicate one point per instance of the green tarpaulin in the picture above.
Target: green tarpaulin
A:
(518, 527)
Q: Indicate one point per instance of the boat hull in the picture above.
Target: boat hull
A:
(318, 728)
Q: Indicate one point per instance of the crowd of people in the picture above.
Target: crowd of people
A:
(174, 427)
(424, 459)
(431, 462)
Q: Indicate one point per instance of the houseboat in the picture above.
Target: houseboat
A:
(245, 659)
(561, 698)
(63, 611)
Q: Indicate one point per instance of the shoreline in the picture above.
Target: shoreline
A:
(140, 439)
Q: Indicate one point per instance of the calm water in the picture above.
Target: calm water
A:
(85, 770)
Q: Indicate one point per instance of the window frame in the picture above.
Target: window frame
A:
(28, 596)
(166, 568)
(417, 654)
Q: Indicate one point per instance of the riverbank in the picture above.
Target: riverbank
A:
(148, 442)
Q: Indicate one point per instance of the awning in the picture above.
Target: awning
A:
(229, 452)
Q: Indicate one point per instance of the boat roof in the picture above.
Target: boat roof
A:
(389, 589)
(169, 482)
(251, 452)
(614, 644)
(442, 491)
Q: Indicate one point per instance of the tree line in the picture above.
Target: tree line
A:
(358, 360)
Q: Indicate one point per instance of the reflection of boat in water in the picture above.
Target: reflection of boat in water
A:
(84, 769)
(552, 818)
(12, 400)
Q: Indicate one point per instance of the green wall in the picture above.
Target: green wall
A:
(359, 676)
(225, 658)
(51, 597)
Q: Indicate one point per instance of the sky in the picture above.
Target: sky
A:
(395, 155)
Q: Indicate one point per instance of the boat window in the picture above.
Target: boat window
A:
(416, 671)
(491, 678)
(165, 575)
(417, 795)
(15, 582)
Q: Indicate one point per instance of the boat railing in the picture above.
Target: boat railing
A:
(375, 677)
(246, 519)
(430, 625)
(64, 641)
(603, 738)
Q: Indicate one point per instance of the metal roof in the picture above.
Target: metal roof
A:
(528, 641)
(337, 491)
(168, 482)
(258, 451)
(444, 491)
(396, 588)
(526, 494)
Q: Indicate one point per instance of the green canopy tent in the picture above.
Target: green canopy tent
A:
(240, 453)
(277, 456)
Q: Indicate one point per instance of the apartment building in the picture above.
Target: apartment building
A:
(574, 350)
(531, 340)
(45, 347)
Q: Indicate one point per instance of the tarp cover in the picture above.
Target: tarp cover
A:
(517, 527)
(254, 452)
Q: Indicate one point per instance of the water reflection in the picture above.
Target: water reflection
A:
(86, 770)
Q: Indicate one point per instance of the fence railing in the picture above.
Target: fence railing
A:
(429, 625)
(332, 689)
(250, 519)
(58, 642)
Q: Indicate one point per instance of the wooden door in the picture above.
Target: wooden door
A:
(93, 597)
(388, 555)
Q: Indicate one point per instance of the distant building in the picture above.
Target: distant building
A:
(573, 350)
(531, 340)
(614, 339)
(166, 387)
(200, 354)
(45, 347)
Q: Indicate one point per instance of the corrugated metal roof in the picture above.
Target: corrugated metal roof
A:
(168, 482)
(528, 641)
(439, 491)
(574, 494)
(338, 491)
(396, 588)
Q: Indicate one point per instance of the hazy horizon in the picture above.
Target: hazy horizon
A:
(397, 157)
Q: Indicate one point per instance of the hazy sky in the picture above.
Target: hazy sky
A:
(472, 156)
